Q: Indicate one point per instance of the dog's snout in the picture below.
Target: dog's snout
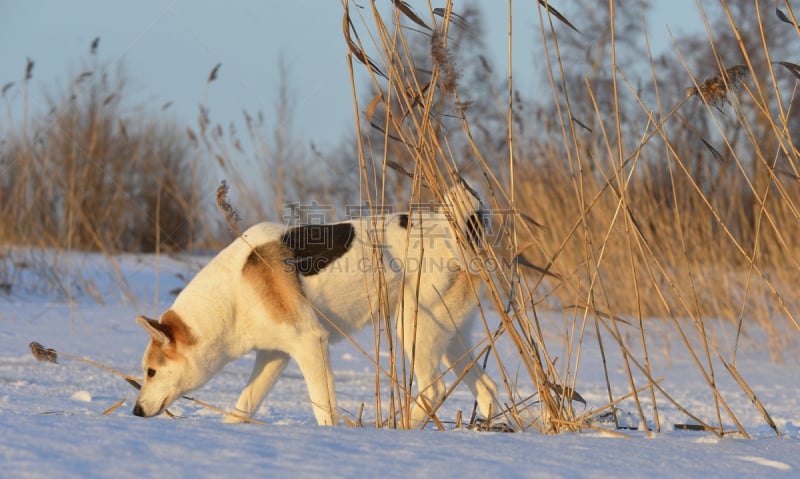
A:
(138, 411)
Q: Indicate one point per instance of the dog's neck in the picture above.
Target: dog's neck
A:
(207, 309)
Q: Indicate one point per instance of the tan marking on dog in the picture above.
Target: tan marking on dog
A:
(154, 356)
(179, 334)
(158, 355)
(270, 271)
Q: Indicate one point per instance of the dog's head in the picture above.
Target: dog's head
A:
(169, 371)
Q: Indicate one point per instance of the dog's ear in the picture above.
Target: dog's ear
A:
(159, 333)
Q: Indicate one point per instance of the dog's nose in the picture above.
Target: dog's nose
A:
(138, 411)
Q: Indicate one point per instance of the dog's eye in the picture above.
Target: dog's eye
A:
(151, 372)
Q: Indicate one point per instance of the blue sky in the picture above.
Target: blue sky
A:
(169, 47)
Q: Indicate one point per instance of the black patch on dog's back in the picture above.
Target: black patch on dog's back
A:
(476, 225)
(403, 220)
(314, 247)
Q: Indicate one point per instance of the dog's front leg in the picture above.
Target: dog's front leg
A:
(312, 356)
(268, 367)
(458, 357)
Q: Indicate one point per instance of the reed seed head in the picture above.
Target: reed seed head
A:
(43, 354)
(231, 215)
(214, 71)
(28, 69)
(714, 91)
(443, 61)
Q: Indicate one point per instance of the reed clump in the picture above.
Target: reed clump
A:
(93, 173)
(611, 221)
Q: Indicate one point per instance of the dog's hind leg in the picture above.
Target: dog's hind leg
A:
(268, 367)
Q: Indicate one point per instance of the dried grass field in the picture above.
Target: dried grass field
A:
(642, 258)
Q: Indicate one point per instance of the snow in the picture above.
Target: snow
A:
(82, 396)
(53, 423)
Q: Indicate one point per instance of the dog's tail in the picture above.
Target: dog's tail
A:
(468, 212)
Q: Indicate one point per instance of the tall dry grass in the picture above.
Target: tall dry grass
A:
(90, 171)
(639, 235)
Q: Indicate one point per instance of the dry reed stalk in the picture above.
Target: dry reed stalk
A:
(630, 224)
(612, 404)
(51, 355)
(580, 425)
(114, 407)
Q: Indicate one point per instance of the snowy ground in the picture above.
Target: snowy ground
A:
(52, 422)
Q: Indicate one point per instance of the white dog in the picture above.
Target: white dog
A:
(287, 292)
